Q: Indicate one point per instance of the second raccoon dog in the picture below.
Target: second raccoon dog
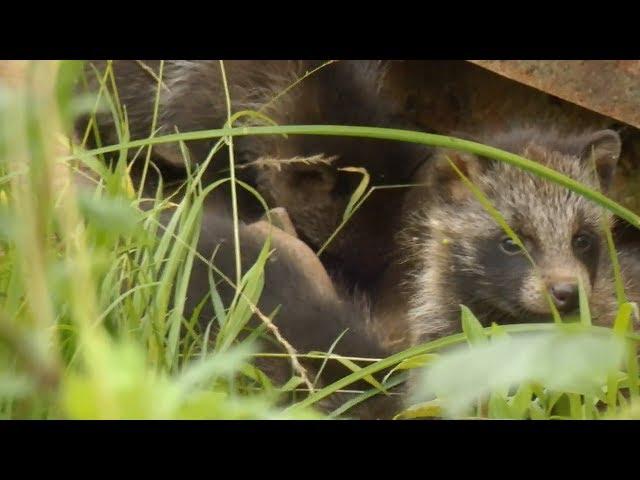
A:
(301, 173)
(457, 254)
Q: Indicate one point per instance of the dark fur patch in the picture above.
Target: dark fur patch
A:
(308, 320)
(342, 93)
(591, 258)
(492, 288)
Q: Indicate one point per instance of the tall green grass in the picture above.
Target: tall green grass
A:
(93, 283)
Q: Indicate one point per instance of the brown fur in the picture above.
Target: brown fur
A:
(313, 312)
(314, 194)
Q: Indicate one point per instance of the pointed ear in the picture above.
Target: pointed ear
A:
(603, 148)
(447, 181)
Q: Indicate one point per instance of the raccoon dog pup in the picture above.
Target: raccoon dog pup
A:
(457, 254)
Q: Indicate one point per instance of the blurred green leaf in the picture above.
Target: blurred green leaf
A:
(498, 407)
(115, 216)
(472, 327)
(567, 362)
(68, 74)
(431, 409)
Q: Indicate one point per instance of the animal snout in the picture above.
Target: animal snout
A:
(565, 295)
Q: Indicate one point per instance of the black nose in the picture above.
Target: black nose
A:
(565, 296)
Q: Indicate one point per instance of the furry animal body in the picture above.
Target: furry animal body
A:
(457, 253)
(300, 173)
(417, 253)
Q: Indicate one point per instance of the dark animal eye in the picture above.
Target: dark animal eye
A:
(509, 246)
(582, 242)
